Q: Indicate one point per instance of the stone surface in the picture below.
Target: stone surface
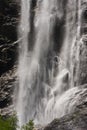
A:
(8, 82)
(79, 50)
(79, 62)
(76, 120)
(9, 19)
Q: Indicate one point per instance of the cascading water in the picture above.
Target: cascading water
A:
(24, 29)
(44, 70)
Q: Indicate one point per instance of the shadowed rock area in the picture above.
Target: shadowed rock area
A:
(9, 19)
(8, 81)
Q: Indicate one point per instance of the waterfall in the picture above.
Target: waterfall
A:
(24, 29)
(45, 68)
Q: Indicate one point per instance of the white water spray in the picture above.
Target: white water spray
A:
(42, 80)
(24, 29)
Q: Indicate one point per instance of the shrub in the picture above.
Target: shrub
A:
(28, 126)
(11, 124)
(8, 123)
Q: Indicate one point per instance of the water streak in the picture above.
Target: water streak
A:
(44, 72)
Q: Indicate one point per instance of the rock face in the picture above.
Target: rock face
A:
(77, 119)
(9, 17)
(7, 83)
(79, 58)
(80, 62)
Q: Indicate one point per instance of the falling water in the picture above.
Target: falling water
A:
(44, 70)
(24, 29)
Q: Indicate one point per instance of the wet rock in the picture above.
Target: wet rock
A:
(79, 62)
(9, 19)
(8, 81)
(79, 56)
(77, 119)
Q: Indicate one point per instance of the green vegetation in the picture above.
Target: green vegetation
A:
(28, 126)
(11, 124)
(8, 123)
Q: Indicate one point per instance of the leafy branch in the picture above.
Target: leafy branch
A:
(11, 123)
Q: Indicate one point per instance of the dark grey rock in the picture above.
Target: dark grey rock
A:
(8, 81)
(73, 121)
(76, 119)
(9, 19)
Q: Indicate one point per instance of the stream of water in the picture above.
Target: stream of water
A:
(48, 28)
